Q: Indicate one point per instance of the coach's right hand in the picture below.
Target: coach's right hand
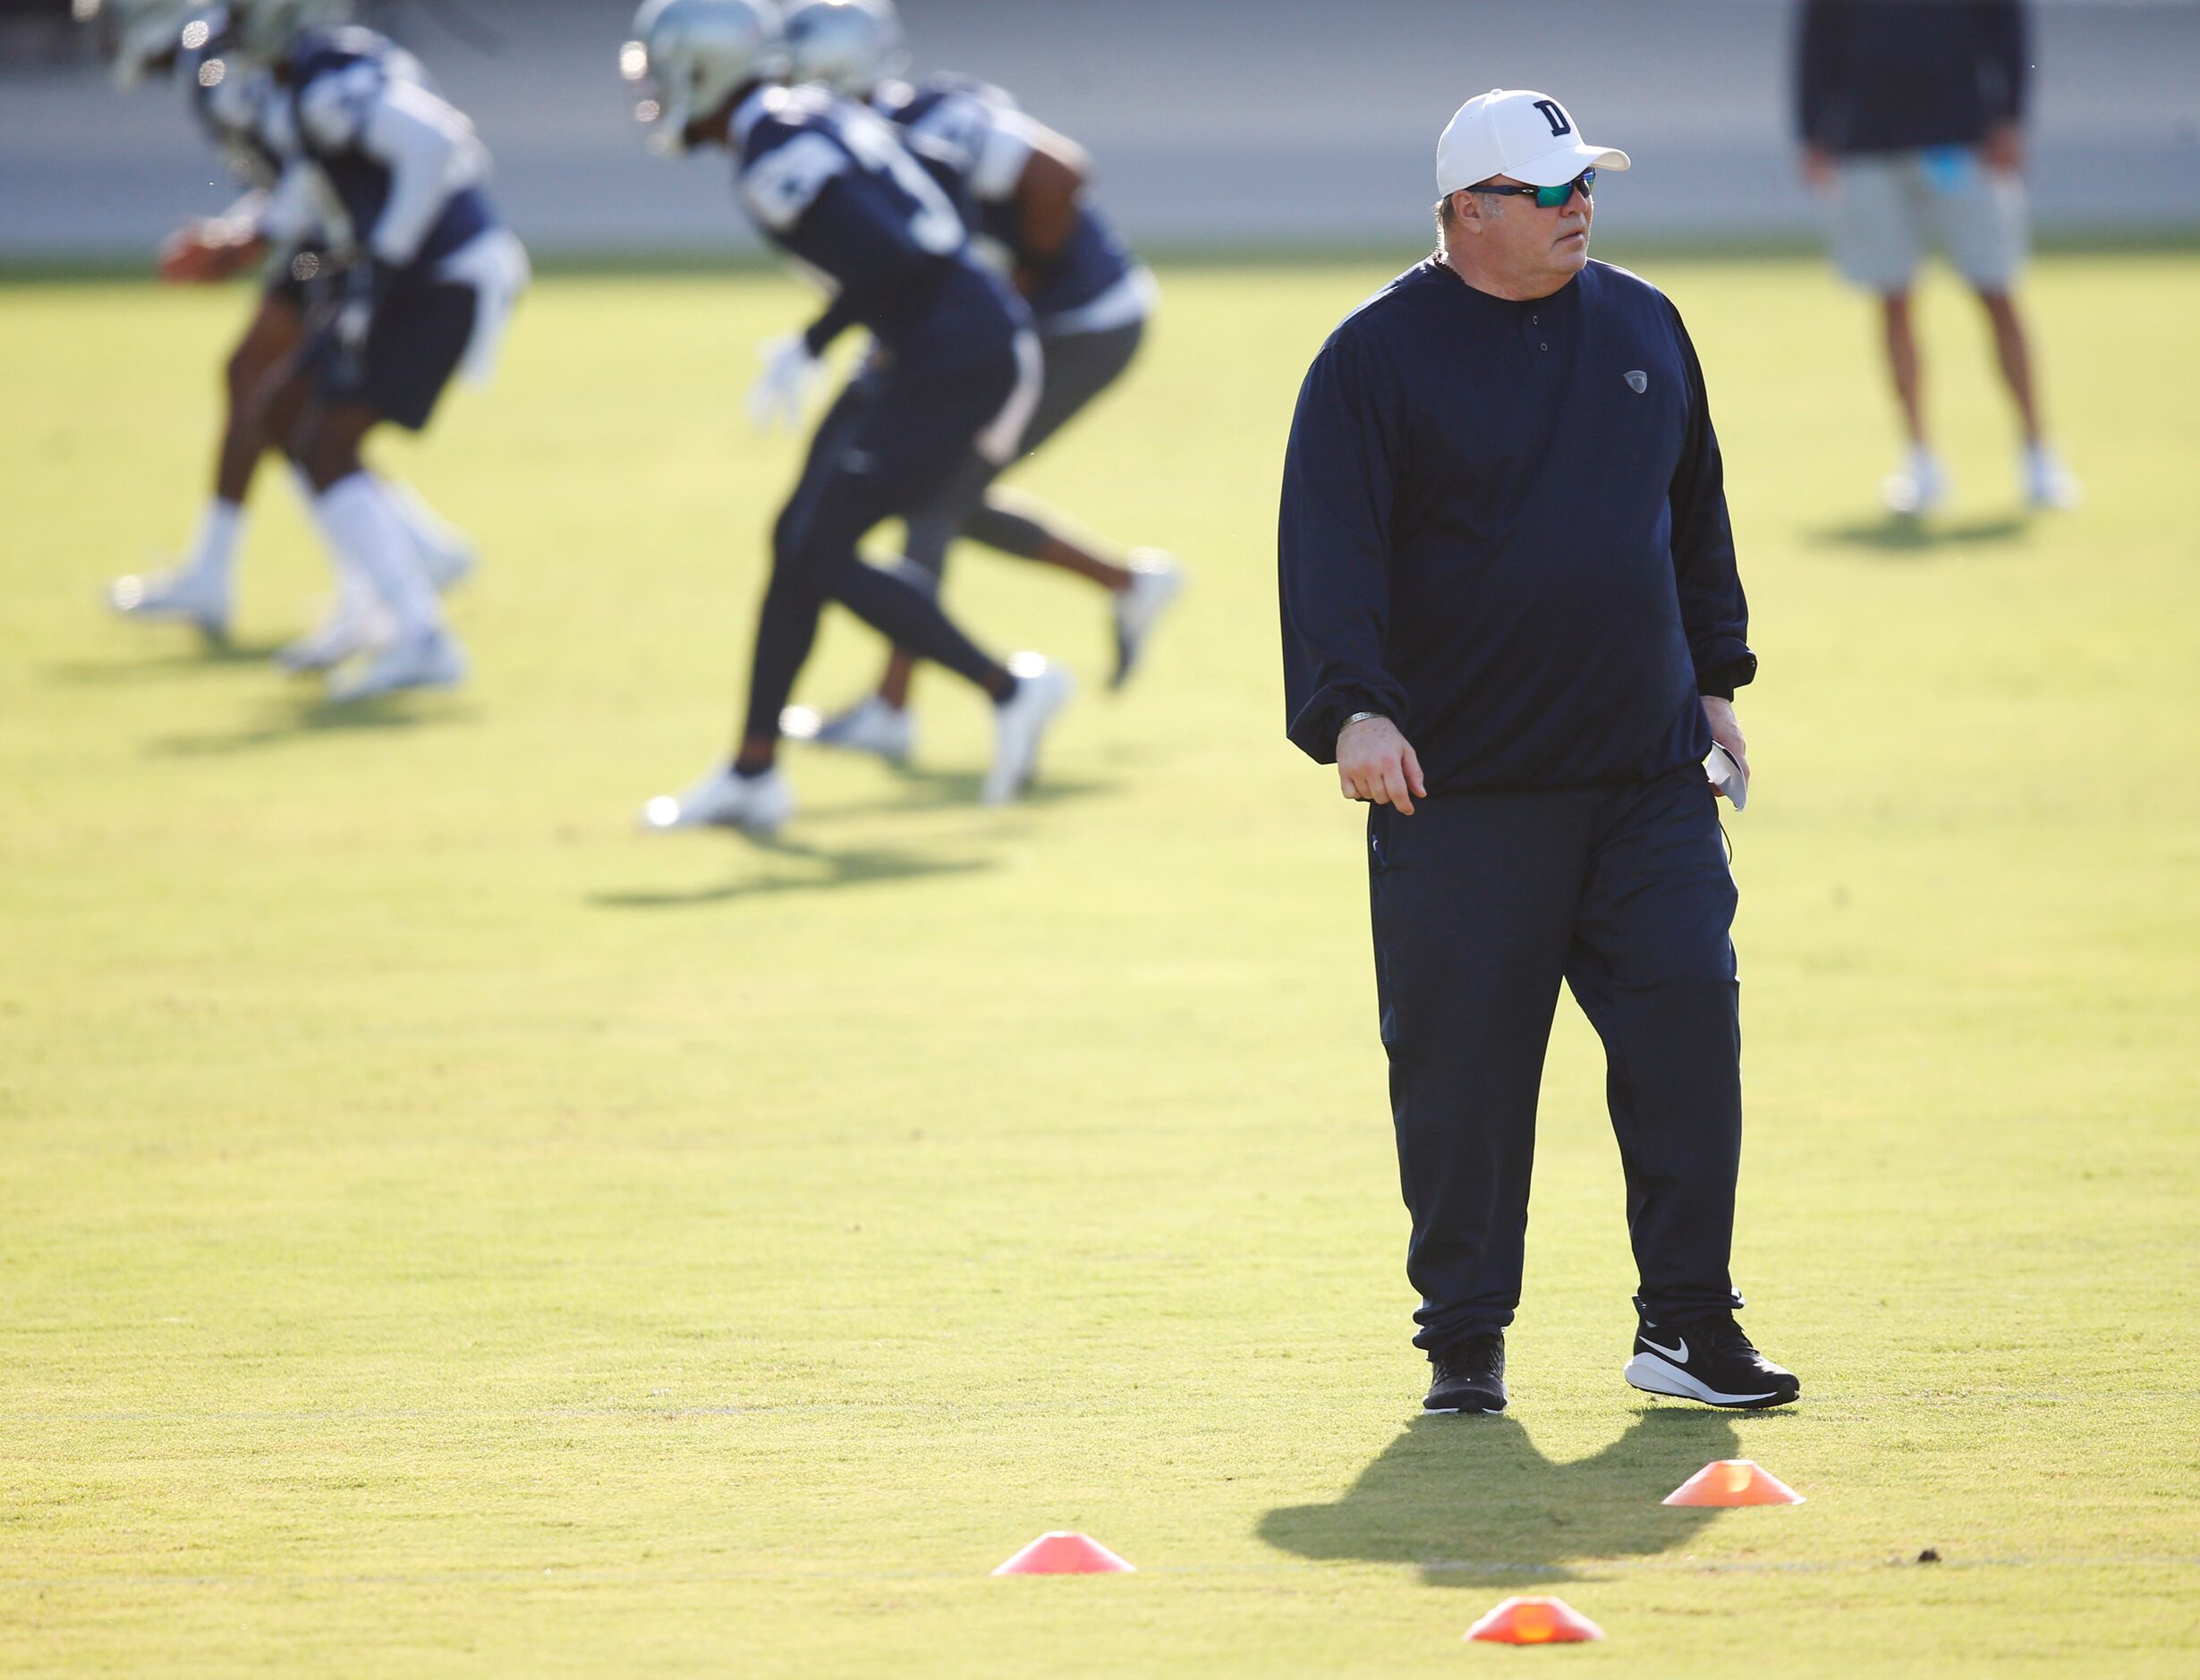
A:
(1375, 762)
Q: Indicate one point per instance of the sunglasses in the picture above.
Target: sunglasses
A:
(1546, 198)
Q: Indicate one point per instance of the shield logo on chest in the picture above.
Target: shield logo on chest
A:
(1637, 380)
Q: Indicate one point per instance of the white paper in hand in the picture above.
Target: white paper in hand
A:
(1727, 774)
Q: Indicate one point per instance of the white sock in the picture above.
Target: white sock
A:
(367, 537)
(431, 533)
(351, 588)
(214, 548)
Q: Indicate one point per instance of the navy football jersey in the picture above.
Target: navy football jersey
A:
(829, 183)
(357, 107)
(972, 137)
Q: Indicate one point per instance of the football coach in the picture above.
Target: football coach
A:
(1511, 618)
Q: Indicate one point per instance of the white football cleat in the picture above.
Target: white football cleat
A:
(870, 726)
(445, 557)
(1156, 580)
(1918, 486)
(355, 623)
(1019, 725)
(760, 804)
(445, 567)
(185, 596)
(429, 660)
(2049, 485)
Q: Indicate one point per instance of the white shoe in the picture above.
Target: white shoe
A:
(354, 624)
(1918, 486)
(1156, 580)
(181, 596)
(445, 567)
(762, 804)
(431, 659)
(2048, 483)
(1020, 724)
(870, 726)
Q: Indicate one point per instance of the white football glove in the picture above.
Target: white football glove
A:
(782, 389)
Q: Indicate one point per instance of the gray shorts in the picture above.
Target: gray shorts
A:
(1888, 207)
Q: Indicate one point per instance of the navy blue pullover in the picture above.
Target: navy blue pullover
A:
(1505, 527)
(1902, 75)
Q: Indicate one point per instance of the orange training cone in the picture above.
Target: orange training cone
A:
(1535, 1622)
(1063, 1553)
(1733, 1481)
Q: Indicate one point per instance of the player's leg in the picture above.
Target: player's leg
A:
(199, 588)
(395, 376)
(1141, 582)
(880, 722)
(351, 509)
(868, 725)
(920, 439)
(845, 489)
(1078, 368)
(890, 448)
(890, 458)
(1652, 967)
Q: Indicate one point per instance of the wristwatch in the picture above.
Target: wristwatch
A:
(1356, 718)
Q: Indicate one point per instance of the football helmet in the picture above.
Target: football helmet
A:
(688, 56)
(265, 27)
(137, 35)
(850, 46)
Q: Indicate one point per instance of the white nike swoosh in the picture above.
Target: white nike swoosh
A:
(1679, 1355)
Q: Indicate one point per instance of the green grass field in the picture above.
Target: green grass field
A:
(442, 1230)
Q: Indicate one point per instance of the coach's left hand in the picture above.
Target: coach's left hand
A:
(1727, 730)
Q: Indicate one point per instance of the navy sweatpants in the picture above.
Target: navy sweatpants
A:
(1482, 902)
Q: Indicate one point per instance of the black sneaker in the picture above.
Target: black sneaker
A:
(1468, 1376)
(1711, 1360)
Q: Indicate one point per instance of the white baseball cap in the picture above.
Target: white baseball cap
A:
(1519, 132)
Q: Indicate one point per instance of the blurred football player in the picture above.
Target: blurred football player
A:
(955, 379)
(427, 277)
(281, 231)
(1022, 188)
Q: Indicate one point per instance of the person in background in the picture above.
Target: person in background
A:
(828, 182)
(1023, 189)
(182, 37)
(429, 276)
(1911, 116)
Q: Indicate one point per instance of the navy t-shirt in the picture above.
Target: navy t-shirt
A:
(1504, 526)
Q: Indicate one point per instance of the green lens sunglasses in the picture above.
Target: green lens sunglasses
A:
(1546, 198)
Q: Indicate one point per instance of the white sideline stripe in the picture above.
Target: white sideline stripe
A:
(1587, 1569)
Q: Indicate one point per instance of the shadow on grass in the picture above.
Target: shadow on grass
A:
(937, 790)
(199, 656)
(1473, 1502)
(1894, 533)
(319, 717)
(858, 866)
